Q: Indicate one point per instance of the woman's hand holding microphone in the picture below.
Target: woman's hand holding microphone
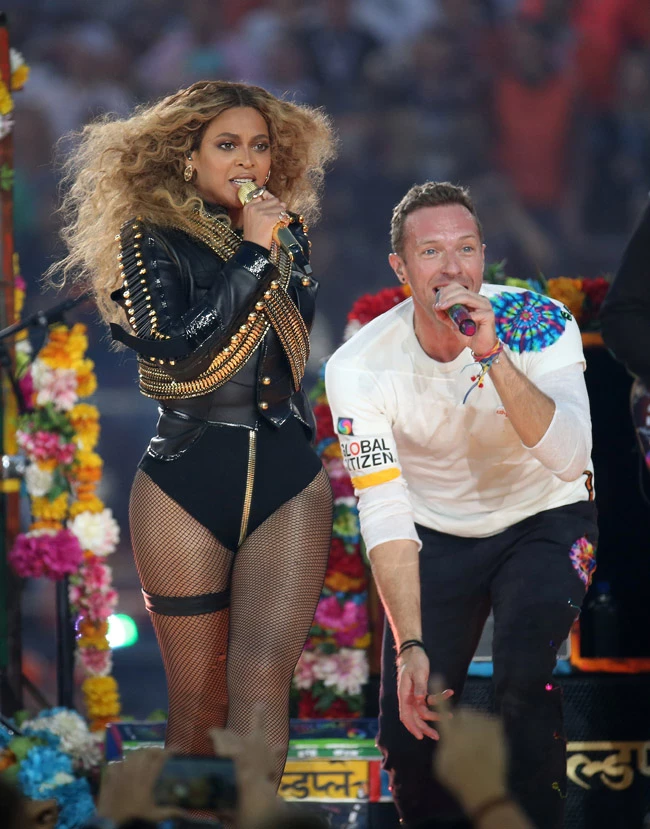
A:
(262, 213)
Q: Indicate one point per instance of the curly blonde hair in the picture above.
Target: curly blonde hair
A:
(123, 168)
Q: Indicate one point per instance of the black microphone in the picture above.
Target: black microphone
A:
(41, 319)
(281, 233)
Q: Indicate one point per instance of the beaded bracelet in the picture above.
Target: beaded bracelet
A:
(485, 361)
(411, 643)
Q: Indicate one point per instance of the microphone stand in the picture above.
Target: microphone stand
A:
(65, 627)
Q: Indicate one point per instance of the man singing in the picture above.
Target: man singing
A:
(470, 456)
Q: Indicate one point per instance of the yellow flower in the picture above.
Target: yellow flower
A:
(85, 458)
(85, 421)
(340, 583)
(87, 382)
(93, 505)
(6, 102)
(66, 347)
(45, 510)
(333, 450)
(19, 77)
(87, 467)
(569, 292)
(46, 525)
(93, 635)
(102, 696)
(362, 642)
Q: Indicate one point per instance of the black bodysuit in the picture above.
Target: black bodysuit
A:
(201, 454)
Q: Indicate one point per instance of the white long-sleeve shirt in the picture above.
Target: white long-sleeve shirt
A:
(417, 455)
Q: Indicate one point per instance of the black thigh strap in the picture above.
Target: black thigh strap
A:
(186, 605)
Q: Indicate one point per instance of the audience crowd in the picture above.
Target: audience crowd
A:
(542, 107)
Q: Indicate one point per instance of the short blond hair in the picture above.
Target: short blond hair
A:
(429, 194)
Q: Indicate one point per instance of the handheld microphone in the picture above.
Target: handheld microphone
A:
(281, 233)
(459, 315)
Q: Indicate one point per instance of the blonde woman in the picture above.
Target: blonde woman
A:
(230, 509)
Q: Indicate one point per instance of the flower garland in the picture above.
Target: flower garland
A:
(49, 758)
(72, 532)
(333, 668)
(582, 296)
(19, 74)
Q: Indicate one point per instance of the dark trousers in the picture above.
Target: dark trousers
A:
(535, 589)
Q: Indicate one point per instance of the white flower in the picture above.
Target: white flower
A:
(76, 739)
(6, 125)
(24, 347)
(353, 670)
(61, 778)
(16, 60)
(55, 385)
(345, 671)
(303, 677)
(97, 532)
(38, 481)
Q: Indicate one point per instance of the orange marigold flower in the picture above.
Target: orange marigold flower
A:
(90, 628)
(569, 292)
(91, 504)
(85, 421)
(88, 466)
(85, 491)
(46, 510)
(46, 525)
(100, 723)
(340, 583)
(333, 450)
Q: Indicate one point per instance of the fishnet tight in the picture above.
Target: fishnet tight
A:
(276, 579)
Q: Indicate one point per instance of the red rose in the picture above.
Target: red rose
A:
(340, 561)
(324, 427)
(369, 306)
(306, 706)
(339, 708)
(596, 291)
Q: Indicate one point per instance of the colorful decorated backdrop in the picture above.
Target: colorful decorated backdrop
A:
(72, 532)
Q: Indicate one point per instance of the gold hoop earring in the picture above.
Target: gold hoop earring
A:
(188, 172)
(268, 176)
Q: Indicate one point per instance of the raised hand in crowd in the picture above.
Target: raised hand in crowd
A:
(471, 761)
(255, 761)
(126, 794)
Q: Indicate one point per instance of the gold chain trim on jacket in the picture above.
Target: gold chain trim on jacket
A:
(276, 309)
(135, 288)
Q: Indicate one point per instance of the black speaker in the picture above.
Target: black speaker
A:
(607, 720)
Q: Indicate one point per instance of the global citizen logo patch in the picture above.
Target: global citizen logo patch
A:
(344, 426)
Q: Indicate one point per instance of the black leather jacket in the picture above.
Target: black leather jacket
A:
(626, 308)
(188, 294)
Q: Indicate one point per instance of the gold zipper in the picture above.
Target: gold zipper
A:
(248, 494)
